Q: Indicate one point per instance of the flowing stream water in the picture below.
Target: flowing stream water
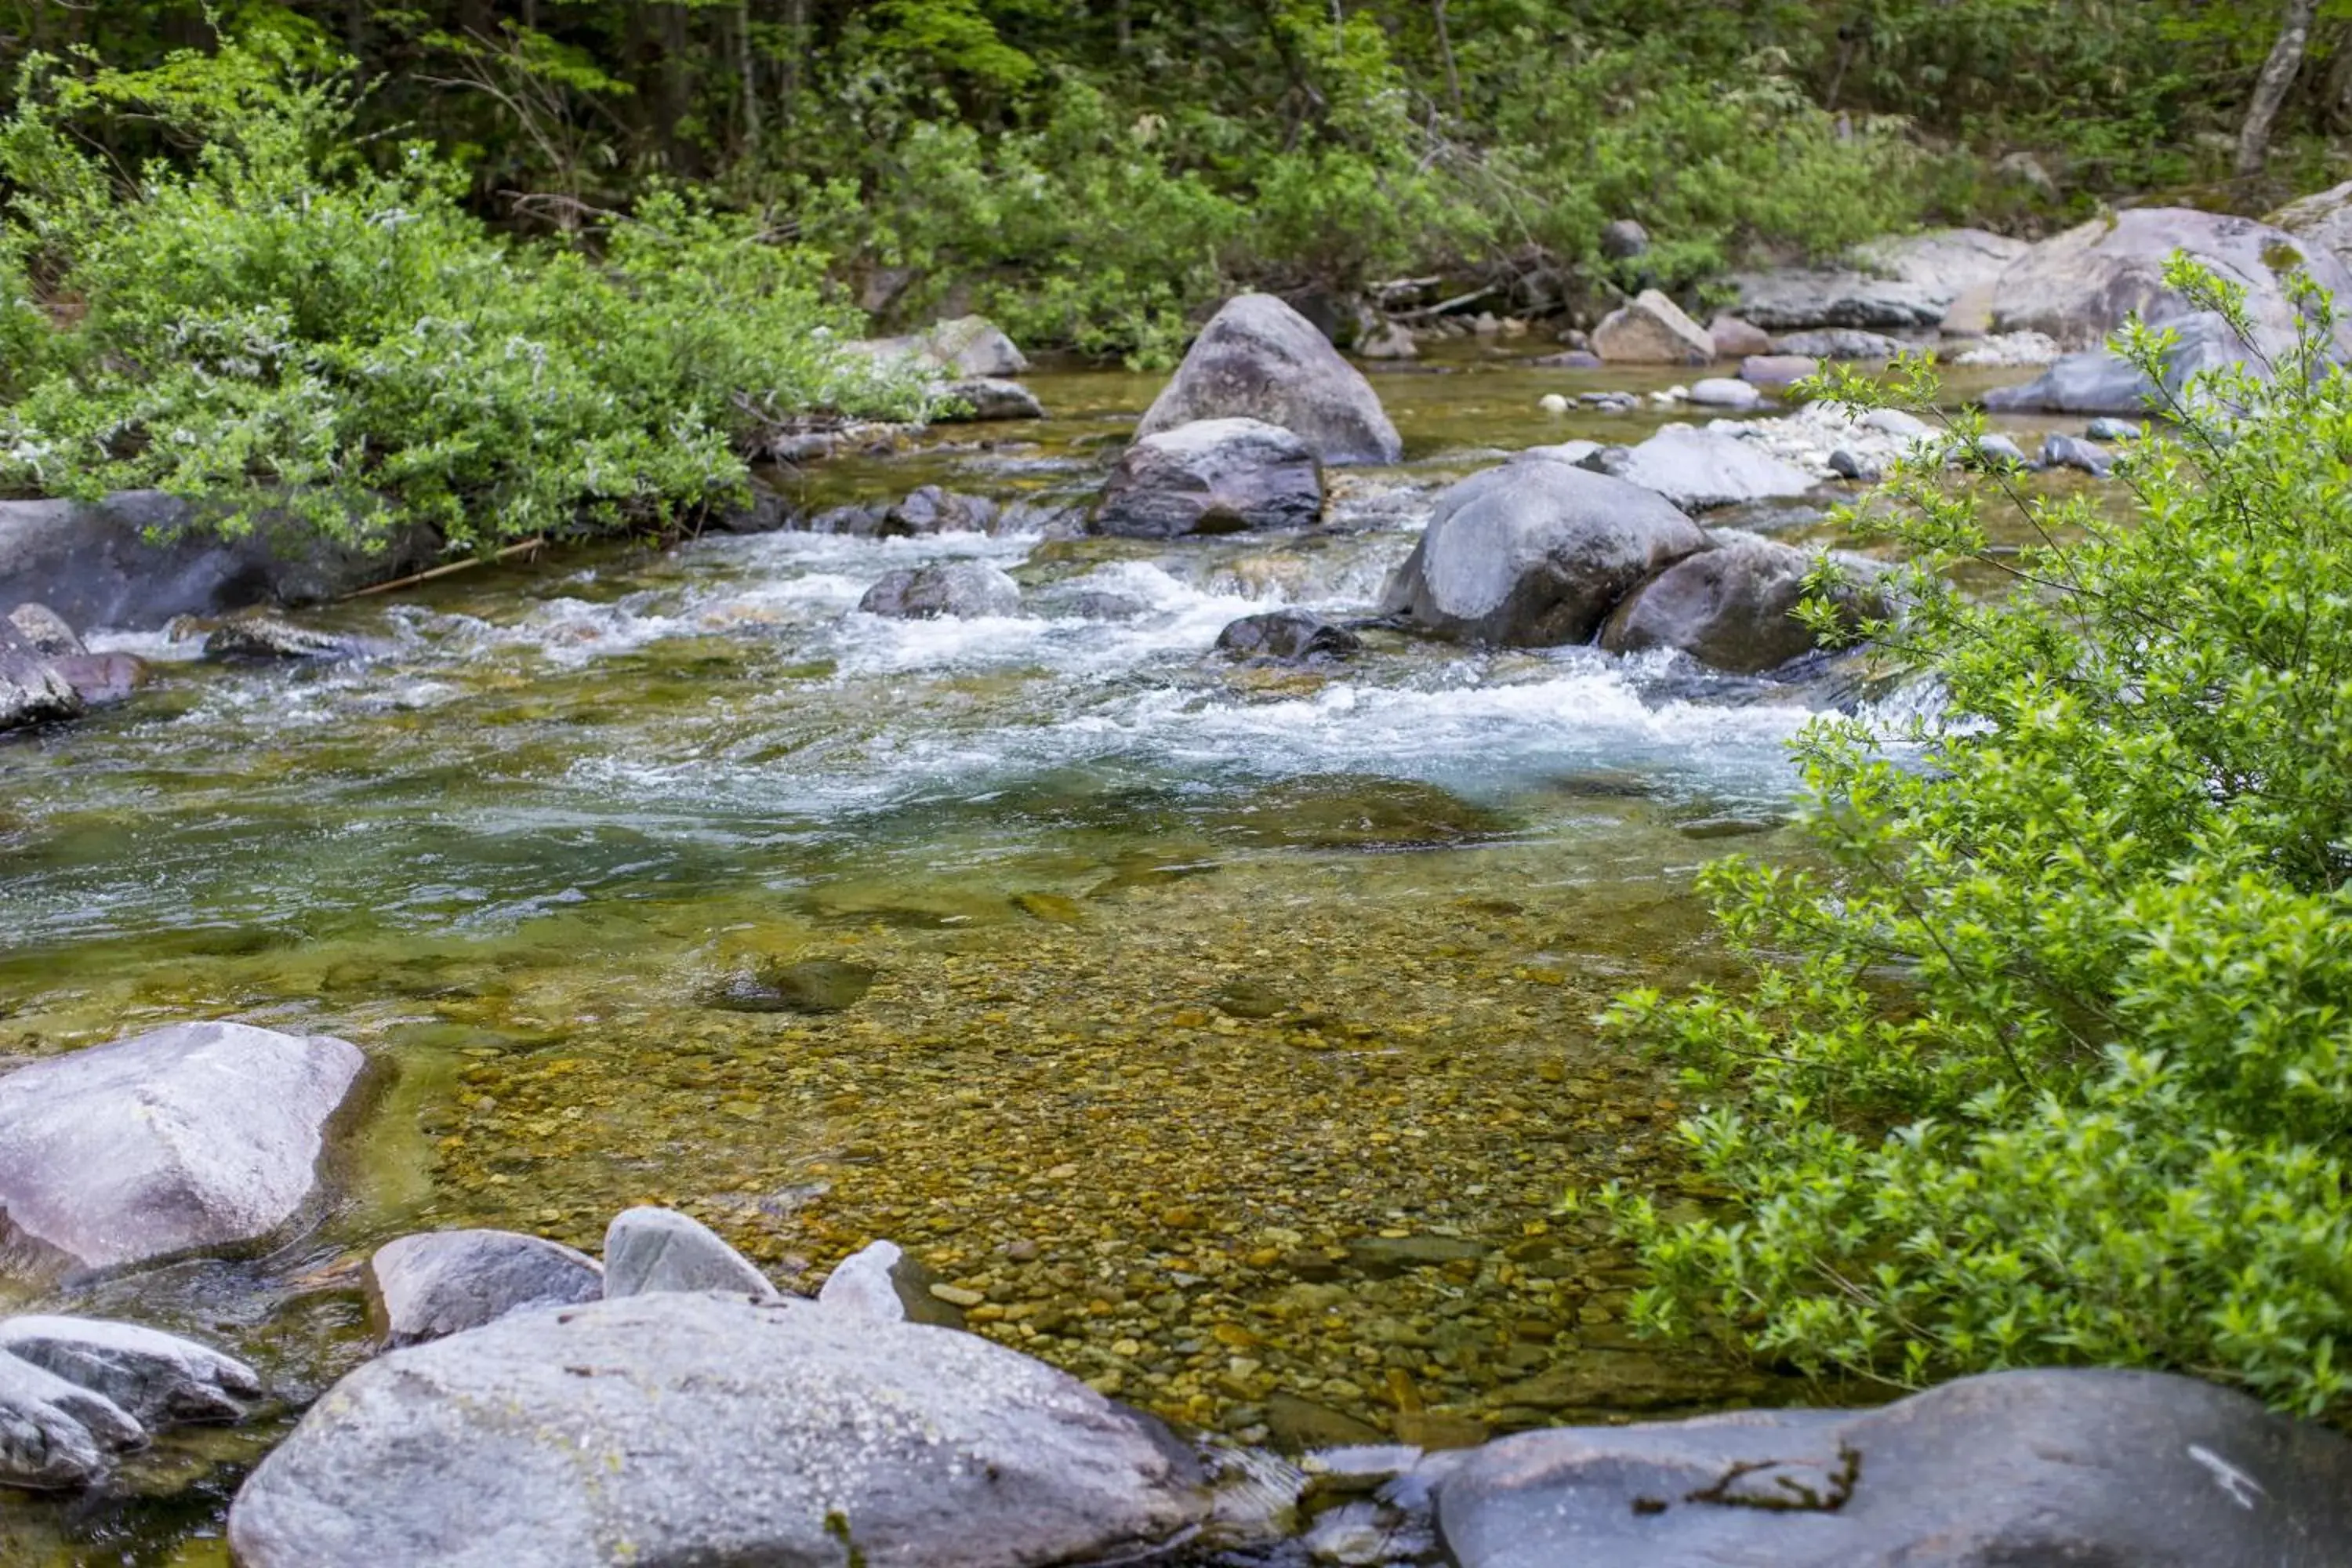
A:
(1230, 1030)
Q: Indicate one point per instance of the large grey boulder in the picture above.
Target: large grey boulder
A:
(1732, 606)
(964, 588)
(1259, 359)
(1535, 554)
(680, 1429)
(649, 1251)
(2324, 219)
(441, 1282)
(194, 1137)
(2081, 286)
(2043, 1467)
(1213, 476)
(1651, 329)
(135, 562)
(1698, 469)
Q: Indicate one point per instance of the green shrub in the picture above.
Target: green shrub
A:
(2048, 1058)
(270, 321)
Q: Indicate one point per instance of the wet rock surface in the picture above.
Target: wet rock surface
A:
(1213, 476)
(437, 1283)
(989, 398)
(1288, 636)
(1731, 607)
(691, 1427)
(33, 689)
(263, 637)
(1838, 343)
(964, 589)
(880, 1282)
(73, 1392)
(195, 1136)
(1537, 553)
(2021, 1467)
(1259, 359)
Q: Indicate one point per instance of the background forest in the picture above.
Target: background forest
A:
(1092, 173)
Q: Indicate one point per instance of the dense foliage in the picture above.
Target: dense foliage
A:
(1094, 173)
(270, 320)
(2051, 1058)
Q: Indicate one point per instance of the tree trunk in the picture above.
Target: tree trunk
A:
(2270, 87)
(1445, 53)
(796, 47)
(749, 70)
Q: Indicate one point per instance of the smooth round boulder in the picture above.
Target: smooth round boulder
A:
(1213, 476)
(652, 1251)
(1259, 359)
(1723, 392)
(443, 1282)
(1733, 606)
(2051, 1466)
(1651, 329)
(967, 589)
(193, 1138)
(1287, 637)
(1735, 338)
(1534, 553)
(696, 1428)
(1774, 371)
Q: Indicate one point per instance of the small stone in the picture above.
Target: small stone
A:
(959, 1296)
(1552, 403)
(2071, 452)
(654, 1250)
(1722, 392)
(2108, 428)
(443, 1282)
(1848, 465)
(812, 985)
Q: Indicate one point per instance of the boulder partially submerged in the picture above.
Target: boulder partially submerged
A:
(196, 1137)
(967, 589)
(1732, 606)
(1213, 476)
(1535, 554)
(1699, 471)
(1259, 359)
(73, 1392)
(699, 1429)
(441, 1282)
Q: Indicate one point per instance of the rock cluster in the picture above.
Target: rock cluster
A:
(47, 673)
(73, 1392)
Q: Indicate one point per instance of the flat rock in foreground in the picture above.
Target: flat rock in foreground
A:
(2043, 1467)
(194, 1137)
(699, 1429)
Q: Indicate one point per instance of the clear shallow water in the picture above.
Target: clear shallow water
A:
(513, 852)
